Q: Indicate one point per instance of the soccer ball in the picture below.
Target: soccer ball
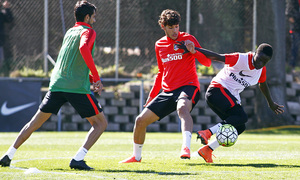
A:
(227, 135)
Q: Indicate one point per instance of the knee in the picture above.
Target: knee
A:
(182, 111)
(140, 122)
(244, 117)
(99, 123)
(240, 129)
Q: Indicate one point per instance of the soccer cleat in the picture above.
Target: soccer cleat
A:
(5, 161)
(185, 153)
(206, 153)
(80, 165)
(130, 160)
(204, 136)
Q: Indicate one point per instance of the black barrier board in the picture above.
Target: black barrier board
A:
(19, 100)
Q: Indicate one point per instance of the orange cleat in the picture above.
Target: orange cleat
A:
(204, 136)
(206, 153)
(130, 160)
(185, 153)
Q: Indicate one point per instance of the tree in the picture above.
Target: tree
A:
(271, 29)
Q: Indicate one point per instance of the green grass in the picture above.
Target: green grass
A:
(255, 156)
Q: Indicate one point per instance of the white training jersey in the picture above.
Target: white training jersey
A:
(238, 73)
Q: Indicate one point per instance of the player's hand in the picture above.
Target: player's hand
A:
(278, 109)
(181, 45)
(190, 46)
(98, 87)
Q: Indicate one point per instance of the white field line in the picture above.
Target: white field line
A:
(35, 170)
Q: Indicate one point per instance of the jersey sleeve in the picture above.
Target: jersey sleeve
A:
(263, 76)
(158, 80)
(231, 59)
(87, 40)
(199, 56)
(202, 59)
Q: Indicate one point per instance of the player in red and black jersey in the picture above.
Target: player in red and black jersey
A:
(178, 80)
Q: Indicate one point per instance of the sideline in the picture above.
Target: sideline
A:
(274, 128)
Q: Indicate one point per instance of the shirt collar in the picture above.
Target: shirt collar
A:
(82, 24)
(251, 61)
(178, 37)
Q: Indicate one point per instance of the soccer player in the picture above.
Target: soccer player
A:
(177, 78)
(241, 70)
(70, 82)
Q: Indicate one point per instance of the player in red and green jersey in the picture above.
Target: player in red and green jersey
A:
(70, 82)
(178, 80)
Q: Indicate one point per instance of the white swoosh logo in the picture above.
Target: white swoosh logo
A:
(5, 111)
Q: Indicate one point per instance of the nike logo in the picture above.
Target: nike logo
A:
(5, 111)
(241, 74)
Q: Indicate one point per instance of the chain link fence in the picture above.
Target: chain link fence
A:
(222, 26)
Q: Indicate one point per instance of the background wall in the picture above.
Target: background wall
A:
(121, 109)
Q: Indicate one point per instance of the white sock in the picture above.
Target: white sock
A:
(187, 136)
(215, 128)
(137, 151)
(11, 152)
(80, 154)
(213, 144)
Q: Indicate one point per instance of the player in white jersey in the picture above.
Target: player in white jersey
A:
(241, 70)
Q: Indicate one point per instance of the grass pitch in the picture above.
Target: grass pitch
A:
(267, 154)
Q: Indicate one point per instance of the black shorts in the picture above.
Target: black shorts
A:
(166, 102)
(220, 100)
(85, 104)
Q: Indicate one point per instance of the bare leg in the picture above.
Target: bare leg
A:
(99, 124)
(184, 106)
(145, 118)
(36, 122)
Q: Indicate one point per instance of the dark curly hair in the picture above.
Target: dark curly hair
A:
(82, 8)
(266, 49)
(169, 17)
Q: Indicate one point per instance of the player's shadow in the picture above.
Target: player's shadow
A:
(129, 171)
(256, 165)
(146, 172)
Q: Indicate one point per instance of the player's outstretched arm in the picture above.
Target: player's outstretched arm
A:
(264, 88)
(209, 54)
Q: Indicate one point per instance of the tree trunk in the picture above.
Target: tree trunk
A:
(275, 33)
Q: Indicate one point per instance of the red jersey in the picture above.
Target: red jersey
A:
(174, 69)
